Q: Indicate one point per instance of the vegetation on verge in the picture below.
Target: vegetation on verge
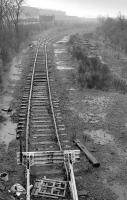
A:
(114, 30)
(91, 71)
(12, 33)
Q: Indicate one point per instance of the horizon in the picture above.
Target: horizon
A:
(81, 8)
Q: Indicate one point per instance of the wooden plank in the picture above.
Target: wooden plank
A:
(89, 156)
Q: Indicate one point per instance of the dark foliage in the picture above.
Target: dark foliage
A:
(92, 72)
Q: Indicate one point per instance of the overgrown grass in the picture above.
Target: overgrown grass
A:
(91, 71)
(115, 30)
(93, 74)
(10, 45)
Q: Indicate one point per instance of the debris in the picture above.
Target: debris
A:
(93, 149)
(4, 176)
(2, 186)
(17, 190)
(83, 193)
(11, 133)
(7, 110)
(49, 188)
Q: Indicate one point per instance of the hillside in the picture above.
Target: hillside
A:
(35, 12)
(31, 12)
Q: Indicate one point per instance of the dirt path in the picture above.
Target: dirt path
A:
(8, 128)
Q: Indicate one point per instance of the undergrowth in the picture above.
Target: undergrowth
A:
(91, 71)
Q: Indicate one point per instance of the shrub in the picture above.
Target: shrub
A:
(5, 56)
(76, 48)
(119, 84)
(92, 72)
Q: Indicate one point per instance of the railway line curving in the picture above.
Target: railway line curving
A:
(47, 153)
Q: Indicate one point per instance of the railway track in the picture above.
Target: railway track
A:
(47, 153)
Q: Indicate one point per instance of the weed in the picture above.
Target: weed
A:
(92, 72)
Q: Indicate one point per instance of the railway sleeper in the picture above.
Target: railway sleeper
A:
(42, 125)
(46, 134)
(39, 79)
(25, 103)
(41, 75)
(24, 106)
(21, 118)
(40, 147)
(41, 121)
(45, 137)
(43, 83)
(40, 96)
(39, 112)
(48, 137)
(43, 104)
(21, 122)
(43, 115)
(41, 131)
(40, 103)
(40, 134)
(40, 89)
(36, 117)
(47, 128)
(42, 92)
(22, 115)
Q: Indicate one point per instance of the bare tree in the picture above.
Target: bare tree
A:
(15, 9)
(9, 25)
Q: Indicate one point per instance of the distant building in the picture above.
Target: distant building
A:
(47, 19)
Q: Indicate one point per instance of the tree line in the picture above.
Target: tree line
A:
(9, 28)
(114, 30)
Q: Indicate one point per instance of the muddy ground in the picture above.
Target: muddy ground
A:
(96, 118)
(99, 120)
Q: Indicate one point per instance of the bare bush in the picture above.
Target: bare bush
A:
(92, 72)
(114, 29)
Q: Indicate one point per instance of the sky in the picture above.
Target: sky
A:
(83, 8)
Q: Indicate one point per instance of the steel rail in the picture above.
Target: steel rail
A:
(69, 171)
(28, 124)
(29, 102)
(54, 121)
(50, 98)
(52, 108)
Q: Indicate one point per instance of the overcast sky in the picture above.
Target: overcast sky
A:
(83, 8)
